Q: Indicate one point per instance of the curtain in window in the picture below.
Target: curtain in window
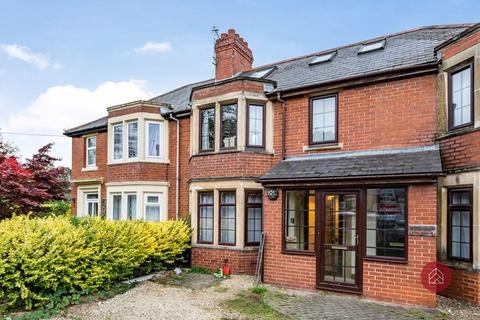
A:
(117, 205)
(132, 139)
(117, 142)
(131, 206)
(154, 139)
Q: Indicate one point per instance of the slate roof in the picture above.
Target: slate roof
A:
(99, 124)
(359, 164)
(402, 50)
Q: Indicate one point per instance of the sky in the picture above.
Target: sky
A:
(62, 63)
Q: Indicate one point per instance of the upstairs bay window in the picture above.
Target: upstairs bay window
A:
(153, 139)
(132, 140)
(323, 119)
(255, 125)
(460, 109)
(117, 142)
(91, 153)
(207, 129)
(229, 126)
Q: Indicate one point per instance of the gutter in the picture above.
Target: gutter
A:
(177, 165)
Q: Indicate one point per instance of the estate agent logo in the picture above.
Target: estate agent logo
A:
(435, 276)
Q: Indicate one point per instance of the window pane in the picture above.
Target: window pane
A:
(386, 222)
(117, 142)
(91, 157)
(300, 220)
(92, 196)
(154, 139)
(255, 125)
(207, 129)
(152, 199)
(205, 217)
(117, 205)
(229, 126)
(131, 206)
(152, 212)
(132, 139)
(459, 228)
(227, 217)
(461, 96)
(324, 119)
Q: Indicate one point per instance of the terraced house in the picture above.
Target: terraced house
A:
(361, 164)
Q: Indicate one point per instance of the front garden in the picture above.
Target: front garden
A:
(46, 262)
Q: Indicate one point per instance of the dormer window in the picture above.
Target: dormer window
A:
(323, 58)
(261, 73)
(372, 46)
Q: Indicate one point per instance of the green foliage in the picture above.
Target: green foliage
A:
(258, 290)
(55, 208)
(199, 270)
(252, 306)
(43, 258)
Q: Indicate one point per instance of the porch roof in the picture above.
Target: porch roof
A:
(398, 162)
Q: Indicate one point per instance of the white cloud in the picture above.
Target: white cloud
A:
(39, 60)
(63, 107)
(154, 47)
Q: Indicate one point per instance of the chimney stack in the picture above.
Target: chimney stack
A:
(232, 55)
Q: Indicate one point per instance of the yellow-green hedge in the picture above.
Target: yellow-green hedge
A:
(42, 256)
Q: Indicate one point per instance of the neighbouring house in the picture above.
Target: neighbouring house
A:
(361, 164)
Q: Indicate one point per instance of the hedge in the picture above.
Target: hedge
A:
(40, 257)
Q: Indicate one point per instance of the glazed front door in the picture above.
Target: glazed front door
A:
(338, 239)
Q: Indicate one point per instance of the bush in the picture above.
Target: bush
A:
(54, 208)
(40, 257)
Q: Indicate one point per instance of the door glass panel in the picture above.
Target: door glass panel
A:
(340, 242)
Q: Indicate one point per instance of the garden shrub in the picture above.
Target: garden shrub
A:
(40, 257)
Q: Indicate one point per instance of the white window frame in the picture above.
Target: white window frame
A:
(128, 139)
(121, 143)
(87, 148)
(127, 194)
(93, 201)
(146, 203)
(160, 137)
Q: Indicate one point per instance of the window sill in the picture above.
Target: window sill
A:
(89, 169)
(298, 253)
(147, 160)
(456, 132)
(385, 260)
(461, 265)
(228, 151)
(223, 247)
(323, 147)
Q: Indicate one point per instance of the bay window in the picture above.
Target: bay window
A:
(228, 126)
(323, 119)
(460, 108)
(386, 223)
(459, 230)
(132, 206)
(207, 129)
(91, 153)
(255, 125)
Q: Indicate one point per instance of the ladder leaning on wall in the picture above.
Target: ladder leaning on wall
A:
(259, 267)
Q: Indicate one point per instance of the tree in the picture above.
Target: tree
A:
(25, 187)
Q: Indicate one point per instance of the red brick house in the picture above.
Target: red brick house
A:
(359, 163)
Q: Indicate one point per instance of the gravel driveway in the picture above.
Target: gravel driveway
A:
(201, 296)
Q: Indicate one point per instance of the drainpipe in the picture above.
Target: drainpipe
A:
(177, 173)
(284, 127)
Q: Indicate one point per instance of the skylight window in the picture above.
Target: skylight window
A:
(261, 73)
(323, 58)
(372, 46)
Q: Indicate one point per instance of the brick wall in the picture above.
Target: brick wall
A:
(133, 109)
(218, 90)
(240, 261)
(137, 171)
(183, 167)
(232, 55)
(465, 285)
(234, 164)
(460, 45)
(391, 114)
(461, 150)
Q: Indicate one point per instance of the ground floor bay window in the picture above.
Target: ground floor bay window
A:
(138, 201)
